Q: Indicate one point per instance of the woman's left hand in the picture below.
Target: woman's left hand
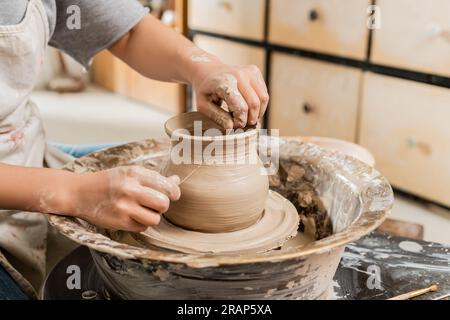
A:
(243, 90)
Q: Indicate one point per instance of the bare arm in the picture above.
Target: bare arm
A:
(127, 198)
(160, 53)
(157, 52)
(33, 189)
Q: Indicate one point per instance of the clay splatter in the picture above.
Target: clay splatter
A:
(16, 137)
(410, 246)
(162, 275)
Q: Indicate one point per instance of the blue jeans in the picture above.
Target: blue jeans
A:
(9, 290)
(79, 151)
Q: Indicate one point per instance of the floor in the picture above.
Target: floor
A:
(97, 116)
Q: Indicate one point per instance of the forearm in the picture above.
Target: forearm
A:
(160, 53)
(123, 198)
(36, 189)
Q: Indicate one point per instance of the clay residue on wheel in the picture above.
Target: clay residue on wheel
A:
(292, 182)
(151, 154)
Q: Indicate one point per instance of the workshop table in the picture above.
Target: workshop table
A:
(382, 267)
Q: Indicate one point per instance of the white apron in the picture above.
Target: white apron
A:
(22, 141)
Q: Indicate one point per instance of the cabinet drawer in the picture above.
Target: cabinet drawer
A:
(231, 17)
(232, 53)
(328, 26)
(313, 98)
(414, 34)
(406, 126)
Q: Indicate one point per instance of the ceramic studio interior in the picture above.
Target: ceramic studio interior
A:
(225, 150)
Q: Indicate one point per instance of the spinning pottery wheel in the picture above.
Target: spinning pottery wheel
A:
(338, 198)
(225, 205)
(278, 224)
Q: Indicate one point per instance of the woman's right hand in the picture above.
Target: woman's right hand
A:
(125, 198)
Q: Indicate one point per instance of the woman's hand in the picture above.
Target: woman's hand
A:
(125, 198)
(241, 88)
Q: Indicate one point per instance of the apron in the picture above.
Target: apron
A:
(23, 142)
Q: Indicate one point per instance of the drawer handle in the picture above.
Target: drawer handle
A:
(226, 5)
(438, 31)
(412, 142)
(313, 15)
(308, 108)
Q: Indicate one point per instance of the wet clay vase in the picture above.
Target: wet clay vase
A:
(223, 185)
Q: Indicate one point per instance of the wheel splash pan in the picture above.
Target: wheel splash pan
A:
(343, 198)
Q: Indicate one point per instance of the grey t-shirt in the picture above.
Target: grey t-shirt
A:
(102, 22)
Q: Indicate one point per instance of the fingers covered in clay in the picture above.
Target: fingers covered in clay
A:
(145, 216)
(252, 100)
(118, 216)
(126, 198)
(260, 87)
(242, 89)
(223, 87)
(152, 199)
(228, 91)
(167, 186)
(216, 113)
(129, 225)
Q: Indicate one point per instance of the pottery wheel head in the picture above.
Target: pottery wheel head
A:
(278, 224)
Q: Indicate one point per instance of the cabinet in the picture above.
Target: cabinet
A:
(310, 97)
(232, 53)
(415, 35)
(325, 69)
(405, 125)
(230, 17)
(327, 26)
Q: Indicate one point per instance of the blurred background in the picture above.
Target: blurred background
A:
(373, 73)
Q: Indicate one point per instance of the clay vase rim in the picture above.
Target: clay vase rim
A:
(183, 121)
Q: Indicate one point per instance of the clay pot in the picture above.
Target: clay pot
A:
(223, 187)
